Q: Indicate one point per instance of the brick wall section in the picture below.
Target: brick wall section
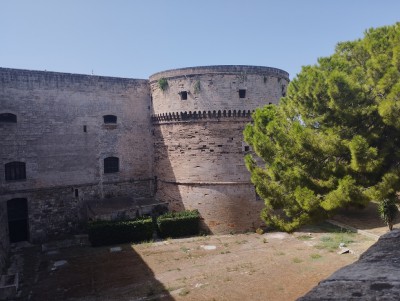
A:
(52, 110)
(4, 243)
(198, 160)
(217, 88)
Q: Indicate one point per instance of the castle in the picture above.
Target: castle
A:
(78, 147)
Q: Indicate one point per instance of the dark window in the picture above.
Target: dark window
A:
(8, 117)
(110, 119)
(242, 93)
(183, 95)
(15, 171)
(84, 128)
(246, 148)
(17, 212)
(76, 193)
(111, 164)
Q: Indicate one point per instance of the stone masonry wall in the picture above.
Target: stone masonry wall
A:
(4, 243)
(61, 136)
(198, 142)
(216, 88)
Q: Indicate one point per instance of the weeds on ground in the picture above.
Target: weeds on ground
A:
(315, 256)
(331, 241)
(297, 260)
(184, 292)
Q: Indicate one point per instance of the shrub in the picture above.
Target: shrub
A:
(178, 224)
(115, 232)
(388, 211)
(163, 84)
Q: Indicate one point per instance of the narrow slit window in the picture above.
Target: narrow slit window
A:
(242, 93)
(110, 119)
(184, 95)
(85, 128)
(8, 118)
(15, 171)
(111, 165)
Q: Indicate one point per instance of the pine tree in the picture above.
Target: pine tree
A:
(334, 140)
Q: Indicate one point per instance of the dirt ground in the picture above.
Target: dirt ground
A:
(271, 266)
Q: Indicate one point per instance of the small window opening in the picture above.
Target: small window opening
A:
(15, 171)
(246, 148)
(8, 117)
(242, 93)
(76, 193)
(110, 119)
(184, 95)
(111, 165)
(84, 128)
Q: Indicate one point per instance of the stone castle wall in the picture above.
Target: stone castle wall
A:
(187, 151)
(61, 136)
(4, 242)
(198, 141)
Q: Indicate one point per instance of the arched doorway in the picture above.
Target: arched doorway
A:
(17, 212)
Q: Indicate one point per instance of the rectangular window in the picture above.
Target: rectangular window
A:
(111, 165)
(15, 171)
(242, 93)
(184, 95)
(84, 128)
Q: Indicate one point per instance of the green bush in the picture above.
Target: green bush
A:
(178, 224)
(114, 232)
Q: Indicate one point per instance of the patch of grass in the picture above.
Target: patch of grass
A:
(265, 241)
(297, 260)
(304, 237)
(280, 253)
(184, 249)
(225, 252)
(184, 292)
(241, 242)
(331, 241)
(315, 256)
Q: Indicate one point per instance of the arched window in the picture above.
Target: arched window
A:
(8, 117)
(110, 119)
(111, 164)
(15, 171)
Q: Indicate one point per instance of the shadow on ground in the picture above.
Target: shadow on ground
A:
(90, 274)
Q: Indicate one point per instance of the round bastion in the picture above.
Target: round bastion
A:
(198, 116)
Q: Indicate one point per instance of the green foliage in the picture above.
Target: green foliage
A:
(388, 211)
(178, 224)
(333, 141)
(115, 232)
(163, 84)
(196, 87)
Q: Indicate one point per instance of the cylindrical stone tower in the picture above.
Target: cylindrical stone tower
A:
(199, 115)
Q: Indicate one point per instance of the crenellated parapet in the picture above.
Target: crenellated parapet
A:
(202, 115)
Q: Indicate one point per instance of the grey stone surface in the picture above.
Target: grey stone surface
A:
(375, 276)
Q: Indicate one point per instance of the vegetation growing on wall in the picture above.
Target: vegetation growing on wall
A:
(334, 140)
(196, 87)
(163, 84)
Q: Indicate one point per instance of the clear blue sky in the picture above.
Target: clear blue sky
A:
(138, 38)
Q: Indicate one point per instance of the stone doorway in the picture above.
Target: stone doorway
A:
(17, 212)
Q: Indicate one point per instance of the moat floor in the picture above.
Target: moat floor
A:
(272, 266)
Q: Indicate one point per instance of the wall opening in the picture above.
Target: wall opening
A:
(85, 128)
(110, 119)
(111, 165)
(8, 118)
(242, 93)
(15, 171)
(184, 95)
(17, 213)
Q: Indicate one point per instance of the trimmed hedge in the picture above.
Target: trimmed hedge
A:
(114, 232)
(178, 224)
